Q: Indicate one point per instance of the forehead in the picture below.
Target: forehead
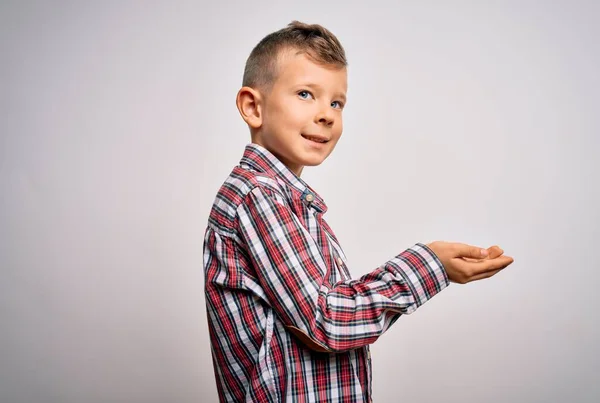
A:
(295, 68)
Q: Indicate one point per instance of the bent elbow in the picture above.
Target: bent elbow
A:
(308, 341)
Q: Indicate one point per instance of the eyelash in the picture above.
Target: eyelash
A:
(340, 103)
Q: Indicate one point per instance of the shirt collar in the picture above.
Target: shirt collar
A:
(262, 160)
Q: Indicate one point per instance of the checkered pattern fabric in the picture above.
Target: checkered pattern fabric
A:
(286, 320)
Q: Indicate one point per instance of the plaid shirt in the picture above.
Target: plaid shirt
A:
(286, 320)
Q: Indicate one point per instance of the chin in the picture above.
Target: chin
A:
(313, 162)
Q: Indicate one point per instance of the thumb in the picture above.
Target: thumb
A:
(470, 251)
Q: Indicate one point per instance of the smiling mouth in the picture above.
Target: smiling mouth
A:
(316, 139)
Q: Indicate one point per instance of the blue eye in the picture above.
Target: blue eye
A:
(340, 105)
(303, 92)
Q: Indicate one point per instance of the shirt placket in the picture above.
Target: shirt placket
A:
(341, 271)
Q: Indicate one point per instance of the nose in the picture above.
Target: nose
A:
(325, 115)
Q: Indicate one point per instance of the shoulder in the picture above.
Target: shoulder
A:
(235, 191)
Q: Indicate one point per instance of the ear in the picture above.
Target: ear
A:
(249, 104)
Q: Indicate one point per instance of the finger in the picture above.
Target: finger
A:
(489, 265)
(494, 252)
(468, 259)
(485, 275)
(469, 251)
(471, 270)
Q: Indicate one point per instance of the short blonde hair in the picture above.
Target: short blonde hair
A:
(314, 40)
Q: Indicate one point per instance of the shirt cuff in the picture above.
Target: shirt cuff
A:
(423, 272)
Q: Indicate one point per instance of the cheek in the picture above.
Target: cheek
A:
(298, 114)
(289, 116)
(339, 127)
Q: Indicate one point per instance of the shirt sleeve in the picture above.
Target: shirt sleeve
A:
(326, 317)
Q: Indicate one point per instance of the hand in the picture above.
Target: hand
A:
(493, 252)
(465, 263)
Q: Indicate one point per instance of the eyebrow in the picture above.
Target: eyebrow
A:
(318, 87)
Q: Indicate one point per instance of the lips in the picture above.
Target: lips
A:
(316, 138)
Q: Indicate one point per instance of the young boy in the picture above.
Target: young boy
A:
(286, 320)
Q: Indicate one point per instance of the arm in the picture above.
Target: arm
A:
(330, 317)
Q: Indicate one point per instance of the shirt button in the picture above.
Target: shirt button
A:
(340, 261)
(309, 197)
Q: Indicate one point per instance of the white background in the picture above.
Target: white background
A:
(474, 122)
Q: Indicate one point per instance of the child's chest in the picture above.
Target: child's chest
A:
(327, 242)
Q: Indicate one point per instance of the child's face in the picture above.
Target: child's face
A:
(302, 115)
